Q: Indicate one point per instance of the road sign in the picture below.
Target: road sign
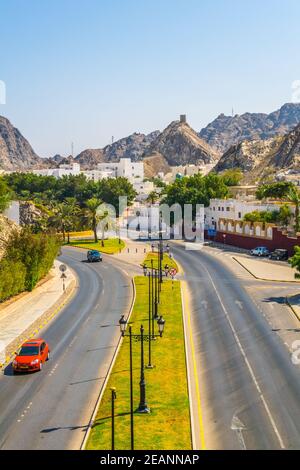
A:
(173, 272)
(211, 232)
(63, 268)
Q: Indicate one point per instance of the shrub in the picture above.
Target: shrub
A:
(28, 258)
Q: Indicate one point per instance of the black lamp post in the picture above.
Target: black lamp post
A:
(143, 408)
(113, 398)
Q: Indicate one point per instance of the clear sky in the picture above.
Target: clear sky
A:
(85, 71)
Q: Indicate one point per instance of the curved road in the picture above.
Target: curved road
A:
(51, 409)
(249, 385)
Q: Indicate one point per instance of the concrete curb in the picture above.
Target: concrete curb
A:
(292, 308)
(41, 322)
(261, 278)
(103, 388)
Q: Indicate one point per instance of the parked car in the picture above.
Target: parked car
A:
(31, 356)
(260, 251)
(93, 256)
(279, 254)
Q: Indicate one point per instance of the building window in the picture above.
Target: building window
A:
(228, 209)
(222, 209)
(239, 215)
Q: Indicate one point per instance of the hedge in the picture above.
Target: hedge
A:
(28, 259)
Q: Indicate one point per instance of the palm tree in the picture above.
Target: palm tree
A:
(294, 198)
(106, 221)
(92, 214)
(64, 216)
(153, 197)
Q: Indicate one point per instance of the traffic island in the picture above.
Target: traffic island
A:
(167, 426)
(109, 246)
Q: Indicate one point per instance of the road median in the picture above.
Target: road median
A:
(168, 424)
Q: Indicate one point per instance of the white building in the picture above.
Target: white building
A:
(133, 171)
(62, 170)
(234, 209)
(97, 175)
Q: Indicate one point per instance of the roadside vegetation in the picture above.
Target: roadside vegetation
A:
(69, 203)
(283, 191)
(28, 258)
(168, 425)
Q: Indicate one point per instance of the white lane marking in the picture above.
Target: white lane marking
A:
(204, 304)
(239, 304)
(273, 424)
(238, 427)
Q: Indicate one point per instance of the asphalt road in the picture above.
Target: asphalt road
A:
(51, 409)
(250, 387)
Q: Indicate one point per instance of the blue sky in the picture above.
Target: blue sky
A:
(85, 71)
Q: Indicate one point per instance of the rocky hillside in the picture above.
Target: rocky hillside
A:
(154, 165)
(132, 147)
(226, 131)
(15, 151)
(179, 144)
(259, 158)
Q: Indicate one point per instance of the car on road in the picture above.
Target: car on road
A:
(94, 256)
(279, 254)
(260, 251)
(31, 356)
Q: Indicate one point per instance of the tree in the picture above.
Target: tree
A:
(5, 195)
(110, 189)
(64, 216)
(262, 216)
(153, 197)
(279, 190)
(294, 197)
(232, 176)
(285, 215)
(295, 261)
(196, 189)
(92, 214)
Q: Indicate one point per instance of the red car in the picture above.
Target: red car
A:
(31, 356)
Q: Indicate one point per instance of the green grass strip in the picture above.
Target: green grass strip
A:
(110, 247)
(168, 425)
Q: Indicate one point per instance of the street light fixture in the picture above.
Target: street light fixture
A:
(161, 325)
(122, 323)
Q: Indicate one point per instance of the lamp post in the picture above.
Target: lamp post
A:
(143, 408)
(113, 398)
(150, 320)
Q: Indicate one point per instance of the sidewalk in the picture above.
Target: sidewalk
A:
(24, 316)
(134, 252)
(267, 271)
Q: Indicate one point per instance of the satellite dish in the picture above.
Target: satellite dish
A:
(63, 268)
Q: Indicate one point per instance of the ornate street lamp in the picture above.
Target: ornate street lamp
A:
(122, 323)
(161, 325)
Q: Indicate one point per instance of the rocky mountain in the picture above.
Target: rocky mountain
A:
(132, 147)
(15, 151)
(179, 144)
(89, 158)
(176, 145)
(226, 131)
(259, 158)
(154, 165)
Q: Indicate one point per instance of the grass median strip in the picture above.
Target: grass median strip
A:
(110, 247)
(166, 260)
(168, 425)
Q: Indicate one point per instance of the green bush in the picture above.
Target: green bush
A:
(12, 278)
(28, 258)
